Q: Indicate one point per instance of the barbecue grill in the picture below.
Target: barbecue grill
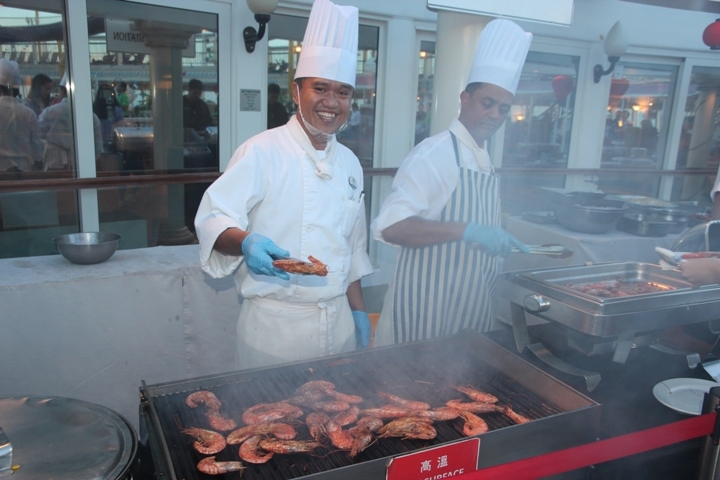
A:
(561, 417)
(596, 325)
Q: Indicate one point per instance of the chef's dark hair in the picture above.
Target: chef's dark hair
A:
(195, 84)
(471, 87)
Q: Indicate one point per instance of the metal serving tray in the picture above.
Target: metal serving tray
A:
(544, 293)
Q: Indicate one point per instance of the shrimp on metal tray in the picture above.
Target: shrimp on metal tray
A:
(474, 425)
(409, 428)
(203, 396)
(285, 447)
(219, 422)
(512, 414)
(473, 407)
(338, 437)
(206, 441)
(209, 466)
(270, 412)
(475, 394)
(411, 404)
(316, 425)
(250, 451)
(282, 431)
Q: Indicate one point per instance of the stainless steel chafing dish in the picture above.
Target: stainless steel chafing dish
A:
(596, 325)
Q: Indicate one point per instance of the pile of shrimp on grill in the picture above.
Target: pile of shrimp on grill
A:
(619, 288)
(334, 421)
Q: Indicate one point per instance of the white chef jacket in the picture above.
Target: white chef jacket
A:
(270, 187)
(20, 144)
(424, 182)
(55, 124)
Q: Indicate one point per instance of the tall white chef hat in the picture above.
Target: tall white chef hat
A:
(500, 55)
(329, 49)
(8, 72)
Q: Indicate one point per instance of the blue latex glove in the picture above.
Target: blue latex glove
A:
(362, 329)
(493, 240)
(259, 252)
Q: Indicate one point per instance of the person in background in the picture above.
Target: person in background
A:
(38, 99)
(122, 98)
(20, 144)
(55, 125)
(298, 186)
(277, 115)
(196, 114)
(355, 120)
(715, 197)
(444, 208)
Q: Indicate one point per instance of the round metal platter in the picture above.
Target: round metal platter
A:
(64, 438)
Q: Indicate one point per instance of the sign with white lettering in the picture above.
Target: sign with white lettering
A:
(437, 463)
(555, 12)
(249, 100)
(123, 36)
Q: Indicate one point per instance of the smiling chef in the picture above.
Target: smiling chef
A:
(294, 191)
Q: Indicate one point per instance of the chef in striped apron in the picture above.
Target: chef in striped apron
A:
(444, 207)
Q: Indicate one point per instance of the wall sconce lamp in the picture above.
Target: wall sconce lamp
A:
(262, 10)
(614, 45)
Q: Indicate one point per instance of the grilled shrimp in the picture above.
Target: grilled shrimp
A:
(282, 431)
(476, 394)
(409, 428)
(289, 446)
(347, 417)
(473, 407)
(512, 414)
(338, 437)
(316, 425)
(367, 423)
(386, 411)
(442, 414)
(361, 440)
(250, 451)
(343, 397)
(474, 425)
(206, 441)
(411, 404)
(218, 422)
(314, 385)
(269, 412)
(330, 406)
(209, 466)
(203, 396)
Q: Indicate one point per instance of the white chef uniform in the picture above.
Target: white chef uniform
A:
(20, 145)
(439, 174)
(307, 202)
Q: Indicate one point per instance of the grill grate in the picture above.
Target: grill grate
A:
(421, 372)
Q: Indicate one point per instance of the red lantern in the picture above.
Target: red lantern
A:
(711, 35)
(618, 87)
(562, 86)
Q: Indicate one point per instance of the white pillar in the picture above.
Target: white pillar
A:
(457, 38)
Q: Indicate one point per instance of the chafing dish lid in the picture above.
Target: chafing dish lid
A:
(64, 438)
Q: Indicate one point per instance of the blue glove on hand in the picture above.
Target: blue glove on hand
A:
(259, 252)
(362, 329)
(494, 240)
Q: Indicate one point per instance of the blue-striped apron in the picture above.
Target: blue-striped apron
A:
(444, 288)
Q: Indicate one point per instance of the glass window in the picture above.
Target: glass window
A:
(36, 128)
(539, 127)
(426, 73)
(636, 126)
(700, 136)
(154, 88)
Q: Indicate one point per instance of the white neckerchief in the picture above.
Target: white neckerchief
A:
(324, 166)
(481, 156)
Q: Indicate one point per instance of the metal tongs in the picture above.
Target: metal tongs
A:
(549, 249)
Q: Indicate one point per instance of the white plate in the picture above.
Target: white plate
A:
(684, 395)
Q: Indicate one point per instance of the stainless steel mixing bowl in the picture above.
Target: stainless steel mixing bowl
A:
(87, 248)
